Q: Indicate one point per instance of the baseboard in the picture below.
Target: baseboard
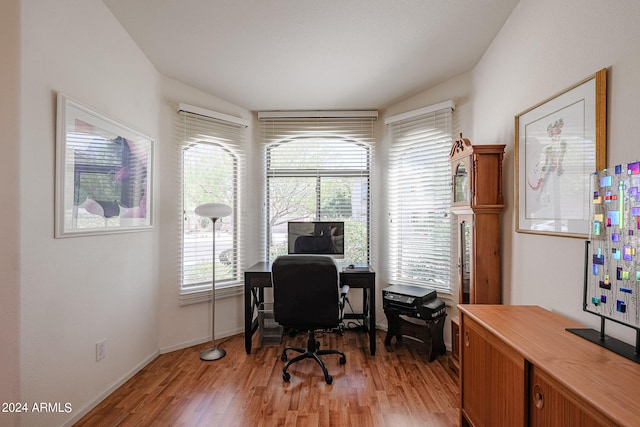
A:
(198, 341)
(184, 344)
(95, 402)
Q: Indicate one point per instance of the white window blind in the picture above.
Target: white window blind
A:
(318, 169)
(212, 168)
(419, 194)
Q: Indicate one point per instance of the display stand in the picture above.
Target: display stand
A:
(599, 337)
(610, 343)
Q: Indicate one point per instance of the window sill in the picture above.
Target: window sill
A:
(188, 297)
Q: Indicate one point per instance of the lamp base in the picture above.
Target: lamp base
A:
(213, 354)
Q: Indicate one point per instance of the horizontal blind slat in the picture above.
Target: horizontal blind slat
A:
(420, 227)
(318, 169)
(210, 169)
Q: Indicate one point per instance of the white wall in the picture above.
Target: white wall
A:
(77, 291)
(9, 207)
(181, 326)
(545, 47)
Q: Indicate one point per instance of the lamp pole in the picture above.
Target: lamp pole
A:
(213, 211)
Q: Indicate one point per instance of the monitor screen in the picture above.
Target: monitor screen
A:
(316, 238)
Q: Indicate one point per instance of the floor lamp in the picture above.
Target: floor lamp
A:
(213, 211)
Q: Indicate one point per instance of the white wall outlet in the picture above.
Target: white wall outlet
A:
(101, 349)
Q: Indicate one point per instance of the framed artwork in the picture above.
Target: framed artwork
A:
(559, 143)
(104, 173)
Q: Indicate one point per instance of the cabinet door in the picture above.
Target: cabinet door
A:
(492, 379)
(462, 182)
(485, 285)
(549, 405)
(465, 258)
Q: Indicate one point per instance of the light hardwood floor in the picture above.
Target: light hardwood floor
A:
(396, 387)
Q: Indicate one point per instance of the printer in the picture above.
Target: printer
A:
(413, 301)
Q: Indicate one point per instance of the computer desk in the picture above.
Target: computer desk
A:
(258, 277)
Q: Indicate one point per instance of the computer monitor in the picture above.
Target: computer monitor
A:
(316, 238)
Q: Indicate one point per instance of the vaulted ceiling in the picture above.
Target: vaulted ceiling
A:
(320, 55)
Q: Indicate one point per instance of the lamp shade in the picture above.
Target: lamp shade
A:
(213, 210)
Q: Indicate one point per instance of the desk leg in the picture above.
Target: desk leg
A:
(248, 314)
(252, 300)
(372, 318)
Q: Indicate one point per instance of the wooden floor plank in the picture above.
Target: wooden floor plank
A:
(396, 387)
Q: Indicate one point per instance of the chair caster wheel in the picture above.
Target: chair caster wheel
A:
(283, 357)
(328, 379)
(286, 377)
(343, 360)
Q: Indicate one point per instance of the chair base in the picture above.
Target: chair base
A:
(311, 352)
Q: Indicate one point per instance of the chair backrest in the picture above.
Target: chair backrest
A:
(305, 292)
(313, 245)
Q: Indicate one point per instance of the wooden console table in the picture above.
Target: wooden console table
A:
(520, 367)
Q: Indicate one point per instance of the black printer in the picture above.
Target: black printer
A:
(414, 301)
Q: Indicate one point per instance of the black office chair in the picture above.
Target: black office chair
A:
(306, 297)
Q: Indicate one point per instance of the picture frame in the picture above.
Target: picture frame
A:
(559, 144)
(104, 173)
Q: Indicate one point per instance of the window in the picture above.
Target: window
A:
(318, 169)
(419, 195)
(212, 162)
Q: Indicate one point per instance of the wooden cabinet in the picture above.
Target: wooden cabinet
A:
(519, 367)
(477, 202)
(491, 369)
(550, 406)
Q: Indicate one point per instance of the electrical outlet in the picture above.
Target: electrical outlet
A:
(101, 349)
